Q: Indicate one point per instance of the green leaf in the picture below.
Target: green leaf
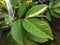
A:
(57, 10)
(14, 2)
(38, 28)
(31, 42)
(56, 5)
(2, 15)
(44, 20)
(2, 4)
(2, 24)
(33, 4)
(48, 16)
(8, 40)
(21, 1)
(36, 10)
(8, 19)
(17, 32)
(37, 39)
(50, 5)
(22, 8)
(54, 14)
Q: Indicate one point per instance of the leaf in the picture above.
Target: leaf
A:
(38, 28)
(14, 2)
(54, 14)
(8, 19)
(56, 5)
(57, 10)
(48, 16)
(37, 39)
(2, 4)
(45, 20)
(50, 5)
(8, 40)
(2, 15)
(42, 0)
(21, 1)
(17, 32)
(2, 24)
(22, 8)
(36, 10)
(33, 4)
(31, 42)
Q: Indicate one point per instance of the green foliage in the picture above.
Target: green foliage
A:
(36, 10)
(1, 15)
(22, 8)
(8, 40)
(40, 28)
(56, 7)
(8, 19)
(18, 34)
(14, 2)
(31, 26)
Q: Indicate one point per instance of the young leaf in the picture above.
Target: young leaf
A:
(36, 10)
(8, 19)
(38, 28)
(2, 24)
(22, 8)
